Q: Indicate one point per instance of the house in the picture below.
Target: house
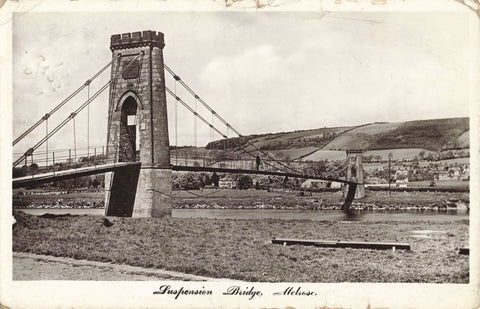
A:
(441, 175)
(312, 184)
(335, 184)
(465, 174)
(401, 176)
(227, 182)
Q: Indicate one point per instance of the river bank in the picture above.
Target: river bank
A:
(260, 199)
(242, 249)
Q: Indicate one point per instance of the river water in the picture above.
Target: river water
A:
(320, 215)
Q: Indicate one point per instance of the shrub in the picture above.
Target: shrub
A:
(244, 182)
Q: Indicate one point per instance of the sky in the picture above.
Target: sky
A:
(262, 72)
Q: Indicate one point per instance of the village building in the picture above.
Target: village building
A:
(227, 182)
(313, 184)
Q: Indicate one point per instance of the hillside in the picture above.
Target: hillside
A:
(409, 137)
(284, 140)
(429, 134)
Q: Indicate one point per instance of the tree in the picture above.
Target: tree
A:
(215, 179)
(263, 183)
(422, 154)
(220, 155)
(244, 182)
(188, 181)
(95, 184)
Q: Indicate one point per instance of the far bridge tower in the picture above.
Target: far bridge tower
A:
(355, 171)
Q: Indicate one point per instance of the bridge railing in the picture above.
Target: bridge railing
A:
(229, 161)
(330, 169)
(63, 159)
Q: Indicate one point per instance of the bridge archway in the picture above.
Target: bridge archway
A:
(128, 138)
(353, 171)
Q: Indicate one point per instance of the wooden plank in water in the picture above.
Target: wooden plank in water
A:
(343, 244)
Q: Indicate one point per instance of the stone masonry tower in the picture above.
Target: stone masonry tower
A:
(138, 128)
(355, 171)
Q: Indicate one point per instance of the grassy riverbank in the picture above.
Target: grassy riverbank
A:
(241, 249)
(227, 198)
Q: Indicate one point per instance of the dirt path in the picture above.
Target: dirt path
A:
(28, 266)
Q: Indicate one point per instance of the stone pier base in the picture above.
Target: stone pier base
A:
(120, 190)
(138, 192)
(154, 191)
(359, 192)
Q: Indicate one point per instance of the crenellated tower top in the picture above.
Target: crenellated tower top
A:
(137, 39)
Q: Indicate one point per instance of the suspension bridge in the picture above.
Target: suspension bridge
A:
(138, 159)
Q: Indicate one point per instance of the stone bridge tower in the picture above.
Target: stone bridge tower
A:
(355, 171)
(138, 128)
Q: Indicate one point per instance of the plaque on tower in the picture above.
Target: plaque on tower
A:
(132, 71)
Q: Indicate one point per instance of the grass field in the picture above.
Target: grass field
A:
(441, 184)
(294, 153)
(463, 141)
(322, 154)
(362, 136)
(242, 249)
(430, 134)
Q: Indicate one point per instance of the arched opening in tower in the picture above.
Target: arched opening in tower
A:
(353, 172)
(128, 131)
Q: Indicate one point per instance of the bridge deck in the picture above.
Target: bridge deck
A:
(98, 169)
(67, 174)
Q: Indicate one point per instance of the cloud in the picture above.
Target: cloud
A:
(344, 79)
(261, 72)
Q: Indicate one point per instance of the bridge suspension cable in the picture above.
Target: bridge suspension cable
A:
(193, 111)
(88, 122)
(195, 124)
(74, 142)
(212, 127)
(212, 111)
(56, 108)
(73, 114)
(176, 77)
(46, 144)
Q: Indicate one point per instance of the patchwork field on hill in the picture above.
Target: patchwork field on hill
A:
(404, 140)
(427, 134)
(463, 141)
(361, 137)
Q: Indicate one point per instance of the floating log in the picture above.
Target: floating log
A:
(465, 251)
(343, 244)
